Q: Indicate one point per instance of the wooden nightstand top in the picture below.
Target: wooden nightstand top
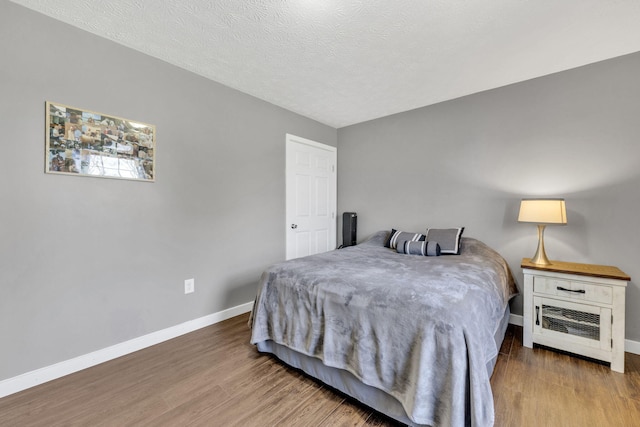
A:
(592, 270)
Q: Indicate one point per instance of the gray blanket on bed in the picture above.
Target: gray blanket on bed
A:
(419, 328)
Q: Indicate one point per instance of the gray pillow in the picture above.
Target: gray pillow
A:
(398, 236)
(448, 238)
(423, 248)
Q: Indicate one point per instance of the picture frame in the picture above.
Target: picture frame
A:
(88, 143)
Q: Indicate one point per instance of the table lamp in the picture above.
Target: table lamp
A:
(542, 212)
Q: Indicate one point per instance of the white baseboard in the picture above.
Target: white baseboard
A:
(515, 319)
(632, 346)
(48, 373)
(629, 346)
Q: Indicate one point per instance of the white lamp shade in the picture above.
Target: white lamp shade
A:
(543, 211)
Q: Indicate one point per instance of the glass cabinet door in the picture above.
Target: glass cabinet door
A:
(580, 323)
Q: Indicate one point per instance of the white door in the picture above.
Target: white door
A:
(311, 197)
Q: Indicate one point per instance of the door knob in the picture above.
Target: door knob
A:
(294, 226)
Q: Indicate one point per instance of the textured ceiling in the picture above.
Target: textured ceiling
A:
(347, 61)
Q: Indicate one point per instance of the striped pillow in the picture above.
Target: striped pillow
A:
(397, 236)
(448, 238)
(423, 248)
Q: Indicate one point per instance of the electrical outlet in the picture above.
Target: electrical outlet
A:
(189, 286)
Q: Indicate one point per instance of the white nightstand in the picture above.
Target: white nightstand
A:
(577, 308)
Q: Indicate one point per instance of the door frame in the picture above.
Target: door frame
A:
(293, 139)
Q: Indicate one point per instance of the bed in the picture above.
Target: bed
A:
(413, 337)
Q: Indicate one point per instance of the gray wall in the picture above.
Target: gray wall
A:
(469, 161)
(86, 263)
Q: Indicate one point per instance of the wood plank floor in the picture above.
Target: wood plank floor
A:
(214, 377)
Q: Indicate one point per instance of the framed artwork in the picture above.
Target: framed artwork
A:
(87, 143)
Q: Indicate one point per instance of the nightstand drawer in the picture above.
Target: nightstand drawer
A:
(573, 289)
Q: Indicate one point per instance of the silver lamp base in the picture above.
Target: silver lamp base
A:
(540, 256)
